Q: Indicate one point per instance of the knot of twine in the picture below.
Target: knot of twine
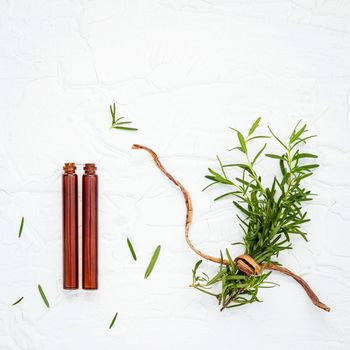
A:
(248, 265)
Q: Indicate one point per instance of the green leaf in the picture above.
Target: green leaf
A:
(221, 259)
(284, 146)
(245, 211)
(112, 110)
(217, 177)
(304, 155)
(258, 154)
(117, 121)
(229, 257)
(302, 140)
(282, 167)
(21, 228)
(124, 128)
(237, 147)
(225, 195)
(209, 177)
(216, 278)
(254, 126)
(123, 123)
(131, 248)
(305, 168)
(258, 137)
(43, 296)
(221, 166)
(304, 176)
(152, 262)
(275, 156)
(196, 266)
(246, 183)
(242, 142)
(296, 134)
(242, 166)
(113, 320)
(17, 301)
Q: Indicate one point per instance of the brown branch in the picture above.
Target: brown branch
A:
(302, 282)
(244, 262)
(188, 202)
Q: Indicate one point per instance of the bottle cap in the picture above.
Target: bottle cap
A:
(90, 168)
(69, 168)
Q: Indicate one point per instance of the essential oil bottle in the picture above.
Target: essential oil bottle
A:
(90, 234)
(70, 227)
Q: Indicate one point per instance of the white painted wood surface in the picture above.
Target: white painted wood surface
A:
(183, 72)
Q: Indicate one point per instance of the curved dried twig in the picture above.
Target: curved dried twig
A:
(188, 202)
(315, 300)
(244, 262)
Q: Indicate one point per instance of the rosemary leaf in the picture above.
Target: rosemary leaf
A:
(124, 128)
(43, 296)
(276, 156)
(254, 126)
(152, 262)
(17, 301)
(113, 320)
(21, 228)
(132, 251)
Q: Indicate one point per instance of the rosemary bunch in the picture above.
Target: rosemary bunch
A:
(269, 216)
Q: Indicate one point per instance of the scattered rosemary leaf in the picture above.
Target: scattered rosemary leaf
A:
(43, 295)
(113, 320)
(18, 301)
(132, 251)
(21, 228)
(152, 262)
(117, 123)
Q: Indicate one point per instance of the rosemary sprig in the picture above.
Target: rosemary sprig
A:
(269, 216)
(117, 122)
(43, 296)
(21, 228)
(18, 301)
(113, 320)
(131, 248)
(152, 262)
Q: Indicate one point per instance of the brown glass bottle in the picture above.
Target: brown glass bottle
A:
(70, 227)
(90, 239)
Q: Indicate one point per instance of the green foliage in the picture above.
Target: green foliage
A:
(113, 320)
(268, 216)
(43, 296)
(18, 301)
(152, 262)
(132, 250)
(21, 228)
(118, 123)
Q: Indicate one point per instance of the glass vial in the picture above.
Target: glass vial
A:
(70, 227)
(90, 243)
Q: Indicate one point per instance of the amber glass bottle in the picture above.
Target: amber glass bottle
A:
(70, 227)
(90, 246)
